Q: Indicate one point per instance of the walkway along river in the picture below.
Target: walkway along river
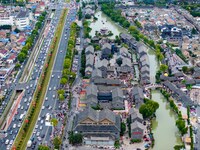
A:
(164, 128)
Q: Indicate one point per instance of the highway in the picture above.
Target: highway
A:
(44, 133)
(30, 86)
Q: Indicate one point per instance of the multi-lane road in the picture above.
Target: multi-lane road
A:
(42, 132)
(30, 86)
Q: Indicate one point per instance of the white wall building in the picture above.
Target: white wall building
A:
(22, 20)
(7, 20)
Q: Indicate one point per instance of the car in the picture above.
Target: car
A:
(50, 89)
(38, 134)
(43, 107)
(34, 131)
(14, 126)
(22, 107)
(25, 100)
(58, 77)
(42, 136)
(52, 76)
(7, 141)
(40, 127)
(42, 121)
(54, 88)
(19, 125)
(46, 98)
(36, 126)
(11, 142)
(39, 119)
(54, 96)
(11, 132)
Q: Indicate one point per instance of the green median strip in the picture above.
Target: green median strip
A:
(29, 122)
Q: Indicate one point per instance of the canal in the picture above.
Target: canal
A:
(164, 128)
(104, 21)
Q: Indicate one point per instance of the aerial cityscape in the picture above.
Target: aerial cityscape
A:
(100, 74)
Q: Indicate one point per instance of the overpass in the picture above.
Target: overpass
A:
(153, 86)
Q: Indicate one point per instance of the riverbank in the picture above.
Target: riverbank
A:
(164, 128)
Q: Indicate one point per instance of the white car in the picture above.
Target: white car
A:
(40, 127)
(42, 121)
(11, 142)
(19, 125)
(54, 96)
(36, 126)
(38, 134)
(46, 98)
(49, 89)
(43, 107)
(14, 126)
(7, 141)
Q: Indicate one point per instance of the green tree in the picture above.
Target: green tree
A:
(61, 97)
(43, 147)
(57, 142)
(180, 123)
(75, 138)
(185, 69)
(123, 128)
(54, 122)
(149, 108)
(63, 81)
(61, 91)
(163, 67)
(21, 57)
(17, 65)
(67, 63)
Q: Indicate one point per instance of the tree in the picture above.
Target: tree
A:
(180, 123)
(163, 67)
(67, 63)
(75, 138)
(61, 91)
(185, 69)
(87, 16)
(123, 128)
(54, 121)
(119, 62)
(149, 108)
(56, 142)
(63, 81)
(61, 97)
(21, 57)
(43, 147)
(17, 65)
(194, 31)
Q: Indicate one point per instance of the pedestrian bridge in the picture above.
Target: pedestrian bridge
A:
(153, 86)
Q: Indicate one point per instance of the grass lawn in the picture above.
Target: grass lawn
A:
(23, 137)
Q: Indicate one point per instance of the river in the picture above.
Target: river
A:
(164, 128)
(104, 21)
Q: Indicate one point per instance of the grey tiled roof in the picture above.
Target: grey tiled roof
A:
(106, 45)
(137, 124)
(117, 92)
(89, 49)
(96, 73)
(91, 90)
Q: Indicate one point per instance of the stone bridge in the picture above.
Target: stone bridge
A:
(153, 86)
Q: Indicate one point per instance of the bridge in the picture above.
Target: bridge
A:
(153, 86)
